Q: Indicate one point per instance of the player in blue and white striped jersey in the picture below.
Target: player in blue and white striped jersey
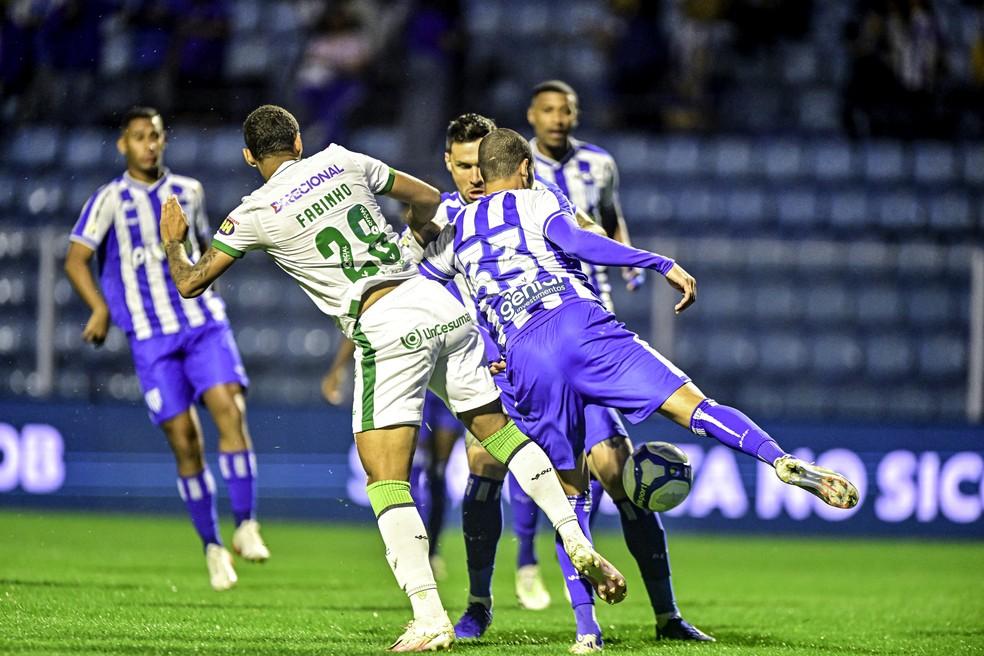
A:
(183, 349)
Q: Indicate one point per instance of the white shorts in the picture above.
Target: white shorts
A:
(417, 335)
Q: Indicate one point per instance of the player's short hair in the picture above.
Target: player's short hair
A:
(501, 152)
(558, 86)
(138, 111)
(270, 129)
(467, 127)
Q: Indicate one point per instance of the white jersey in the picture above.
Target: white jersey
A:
(121, 222)
(513, 272)
(319, 220)
(588, 176)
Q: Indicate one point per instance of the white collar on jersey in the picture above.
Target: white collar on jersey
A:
(165, 172)
(547, 159)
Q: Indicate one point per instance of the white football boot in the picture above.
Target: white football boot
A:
(530, 591)
(221, 574)
(586, 644)
(829, 486)
(607, 581)
(246, 542)
(435, 634)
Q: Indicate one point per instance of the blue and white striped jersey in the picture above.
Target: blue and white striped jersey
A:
(588, 176)
(121, 223)
(513, 272)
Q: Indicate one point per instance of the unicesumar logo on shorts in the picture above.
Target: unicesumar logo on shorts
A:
(418, 336)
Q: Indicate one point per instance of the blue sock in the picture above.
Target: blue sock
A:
(239, 473)
(525, 513)
(596, 493)
(646, 539)
(198, 493)
(438, 493)
(733, 429)
(582, 594)
(481, 522)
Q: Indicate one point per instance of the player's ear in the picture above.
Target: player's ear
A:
(447, 161)
(298, 145)
(529, 114)
(121, 143)
(248, 156)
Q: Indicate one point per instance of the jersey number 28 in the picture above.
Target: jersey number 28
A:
(331, 242)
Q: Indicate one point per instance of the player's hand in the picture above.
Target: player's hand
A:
(331, 386)
(684, 283)
(496, 368)
(96, 327)
(634, 278)
(174, 224)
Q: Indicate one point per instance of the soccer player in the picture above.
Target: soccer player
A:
(481, 508)
(319, 220)
(520, 252)
(183, 350)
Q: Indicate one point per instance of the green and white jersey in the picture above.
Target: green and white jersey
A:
(318, 219)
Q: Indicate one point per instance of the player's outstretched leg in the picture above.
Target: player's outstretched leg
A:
(537, 476)
(530, 591)
(481, 523)
(691, 409)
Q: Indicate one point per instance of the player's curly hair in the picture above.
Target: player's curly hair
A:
(135, 112)
(269, 130)
(501, 152)
(557, 86)
(467, 127)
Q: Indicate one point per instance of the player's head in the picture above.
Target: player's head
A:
(141, 141)
(552, 113)
(461, 153)
(270, 131)
(505, 155)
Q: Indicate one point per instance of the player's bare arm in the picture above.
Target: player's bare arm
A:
(79, 273)
(683, 282)
(423, 200)
(190, 279)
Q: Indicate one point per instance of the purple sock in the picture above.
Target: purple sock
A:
(525, 513)
(481, 522)
(198, 493)
(596, 492)
(733, 429)
(646, 540)
(239, 472)
(582, 595)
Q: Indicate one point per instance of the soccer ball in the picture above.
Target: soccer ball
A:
(657, 476)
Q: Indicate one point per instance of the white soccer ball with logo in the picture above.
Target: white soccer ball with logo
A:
(657, 476)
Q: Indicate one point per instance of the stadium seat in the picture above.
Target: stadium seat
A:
(828, 304)
(835, 356)
(381, 143)
(88, 148)
(797, 209)
(184, 150)
(934, 163)
(900, 210)
(889, 357)
(849, 210)
(729, 353)
(943, 357)
(732, 158)
(950, 211)
(832, 160)
(33, 147)
(247, 58)
(819, 108)
(973, 163)
(860, 401)
(41, 195)
(782, 354)
(745, 207)
(883, 161)
(914, 404)
(931, 305)
(777, 303)
(878, 306)
(783, 159)
(799, 64)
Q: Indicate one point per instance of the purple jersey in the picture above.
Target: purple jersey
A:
(121, 223)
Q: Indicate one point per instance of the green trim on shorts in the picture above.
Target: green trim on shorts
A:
(368, 364)
(384, 495)
(506, 441)
(388, 187)
(227, 249)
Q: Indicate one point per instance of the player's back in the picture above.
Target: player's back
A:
(319, 220)
(514, 273)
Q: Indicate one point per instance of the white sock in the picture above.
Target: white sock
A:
(406, 550)
(536, 475)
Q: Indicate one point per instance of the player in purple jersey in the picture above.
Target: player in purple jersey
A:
(183, 350)
(481, 508)
(520, 251)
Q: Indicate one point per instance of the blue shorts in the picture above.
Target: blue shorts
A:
(437, 417)
(175, 370)
(579, 358)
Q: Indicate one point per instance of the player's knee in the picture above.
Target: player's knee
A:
(481, 463)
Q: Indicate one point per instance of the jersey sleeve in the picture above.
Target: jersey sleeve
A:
(96, 218)
(438, 261)
(238, 233)
(380, 176)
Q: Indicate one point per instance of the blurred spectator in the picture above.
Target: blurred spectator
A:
(199, 56)
(433, 44)
(639, 61)
(330, 79)
(895, 86)
(19, 22)
(153, 24)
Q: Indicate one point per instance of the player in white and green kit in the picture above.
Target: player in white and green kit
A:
(317, 217)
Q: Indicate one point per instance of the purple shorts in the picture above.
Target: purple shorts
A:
(175, 370)
(437, 417)
(580, 358)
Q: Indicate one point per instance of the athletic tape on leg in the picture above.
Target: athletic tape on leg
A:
(503, 443)
(384, 495)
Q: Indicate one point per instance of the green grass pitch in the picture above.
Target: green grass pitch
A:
(105, 584)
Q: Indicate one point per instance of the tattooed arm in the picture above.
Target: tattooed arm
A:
(190, 279)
